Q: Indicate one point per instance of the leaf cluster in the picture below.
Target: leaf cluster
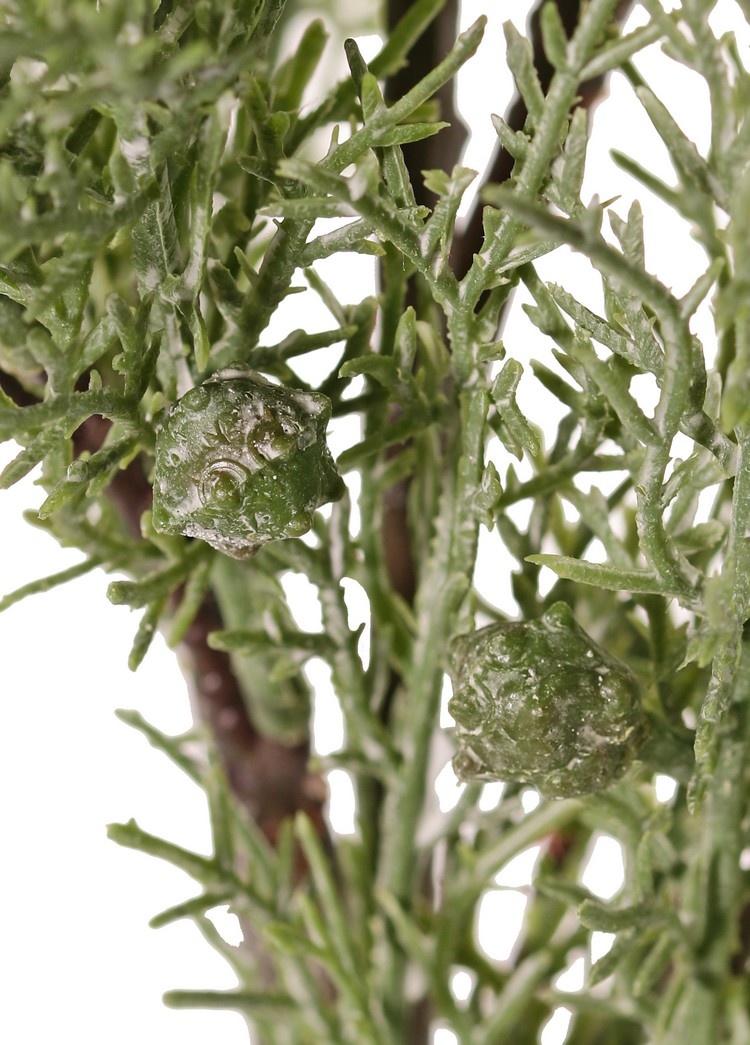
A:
(158, 207)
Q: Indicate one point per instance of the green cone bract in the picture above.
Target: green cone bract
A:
(539, 701)
(241, 461)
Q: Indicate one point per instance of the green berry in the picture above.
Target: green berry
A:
(539, 701)
(240, 462)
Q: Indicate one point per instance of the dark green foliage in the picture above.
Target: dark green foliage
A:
(538, 701)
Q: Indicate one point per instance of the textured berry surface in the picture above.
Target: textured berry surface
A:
(240, 462)
(540, 702)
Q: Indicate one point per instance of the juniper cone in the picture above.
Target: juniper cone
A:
(539, 701)
(240, 462)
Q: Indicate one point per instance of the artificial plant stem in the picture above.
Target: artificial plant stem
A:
(443, 585)
(366, 737)
(724, 836)
(737, 551)
(714, 894)
(365, 734)
(728, 623)
(516, 1002)
(545, 819)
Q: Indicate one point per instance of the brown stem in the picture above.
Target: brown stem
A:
(270, 780)
(16, 391)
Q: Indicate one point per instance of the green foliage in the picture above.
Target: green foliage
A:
(161, 176)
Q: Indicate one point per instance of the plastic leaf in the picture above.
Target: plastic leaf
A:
(48, 583)
(614, 388)
(520, 59)
(202, 868)
(514, 142)
(256, 1003)
(553, 36)
(488, 495)
(30, 456)
(603, 575)
(693, 169)
(515, 431)
(600, 918)
(295, 74)
(146, 633)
